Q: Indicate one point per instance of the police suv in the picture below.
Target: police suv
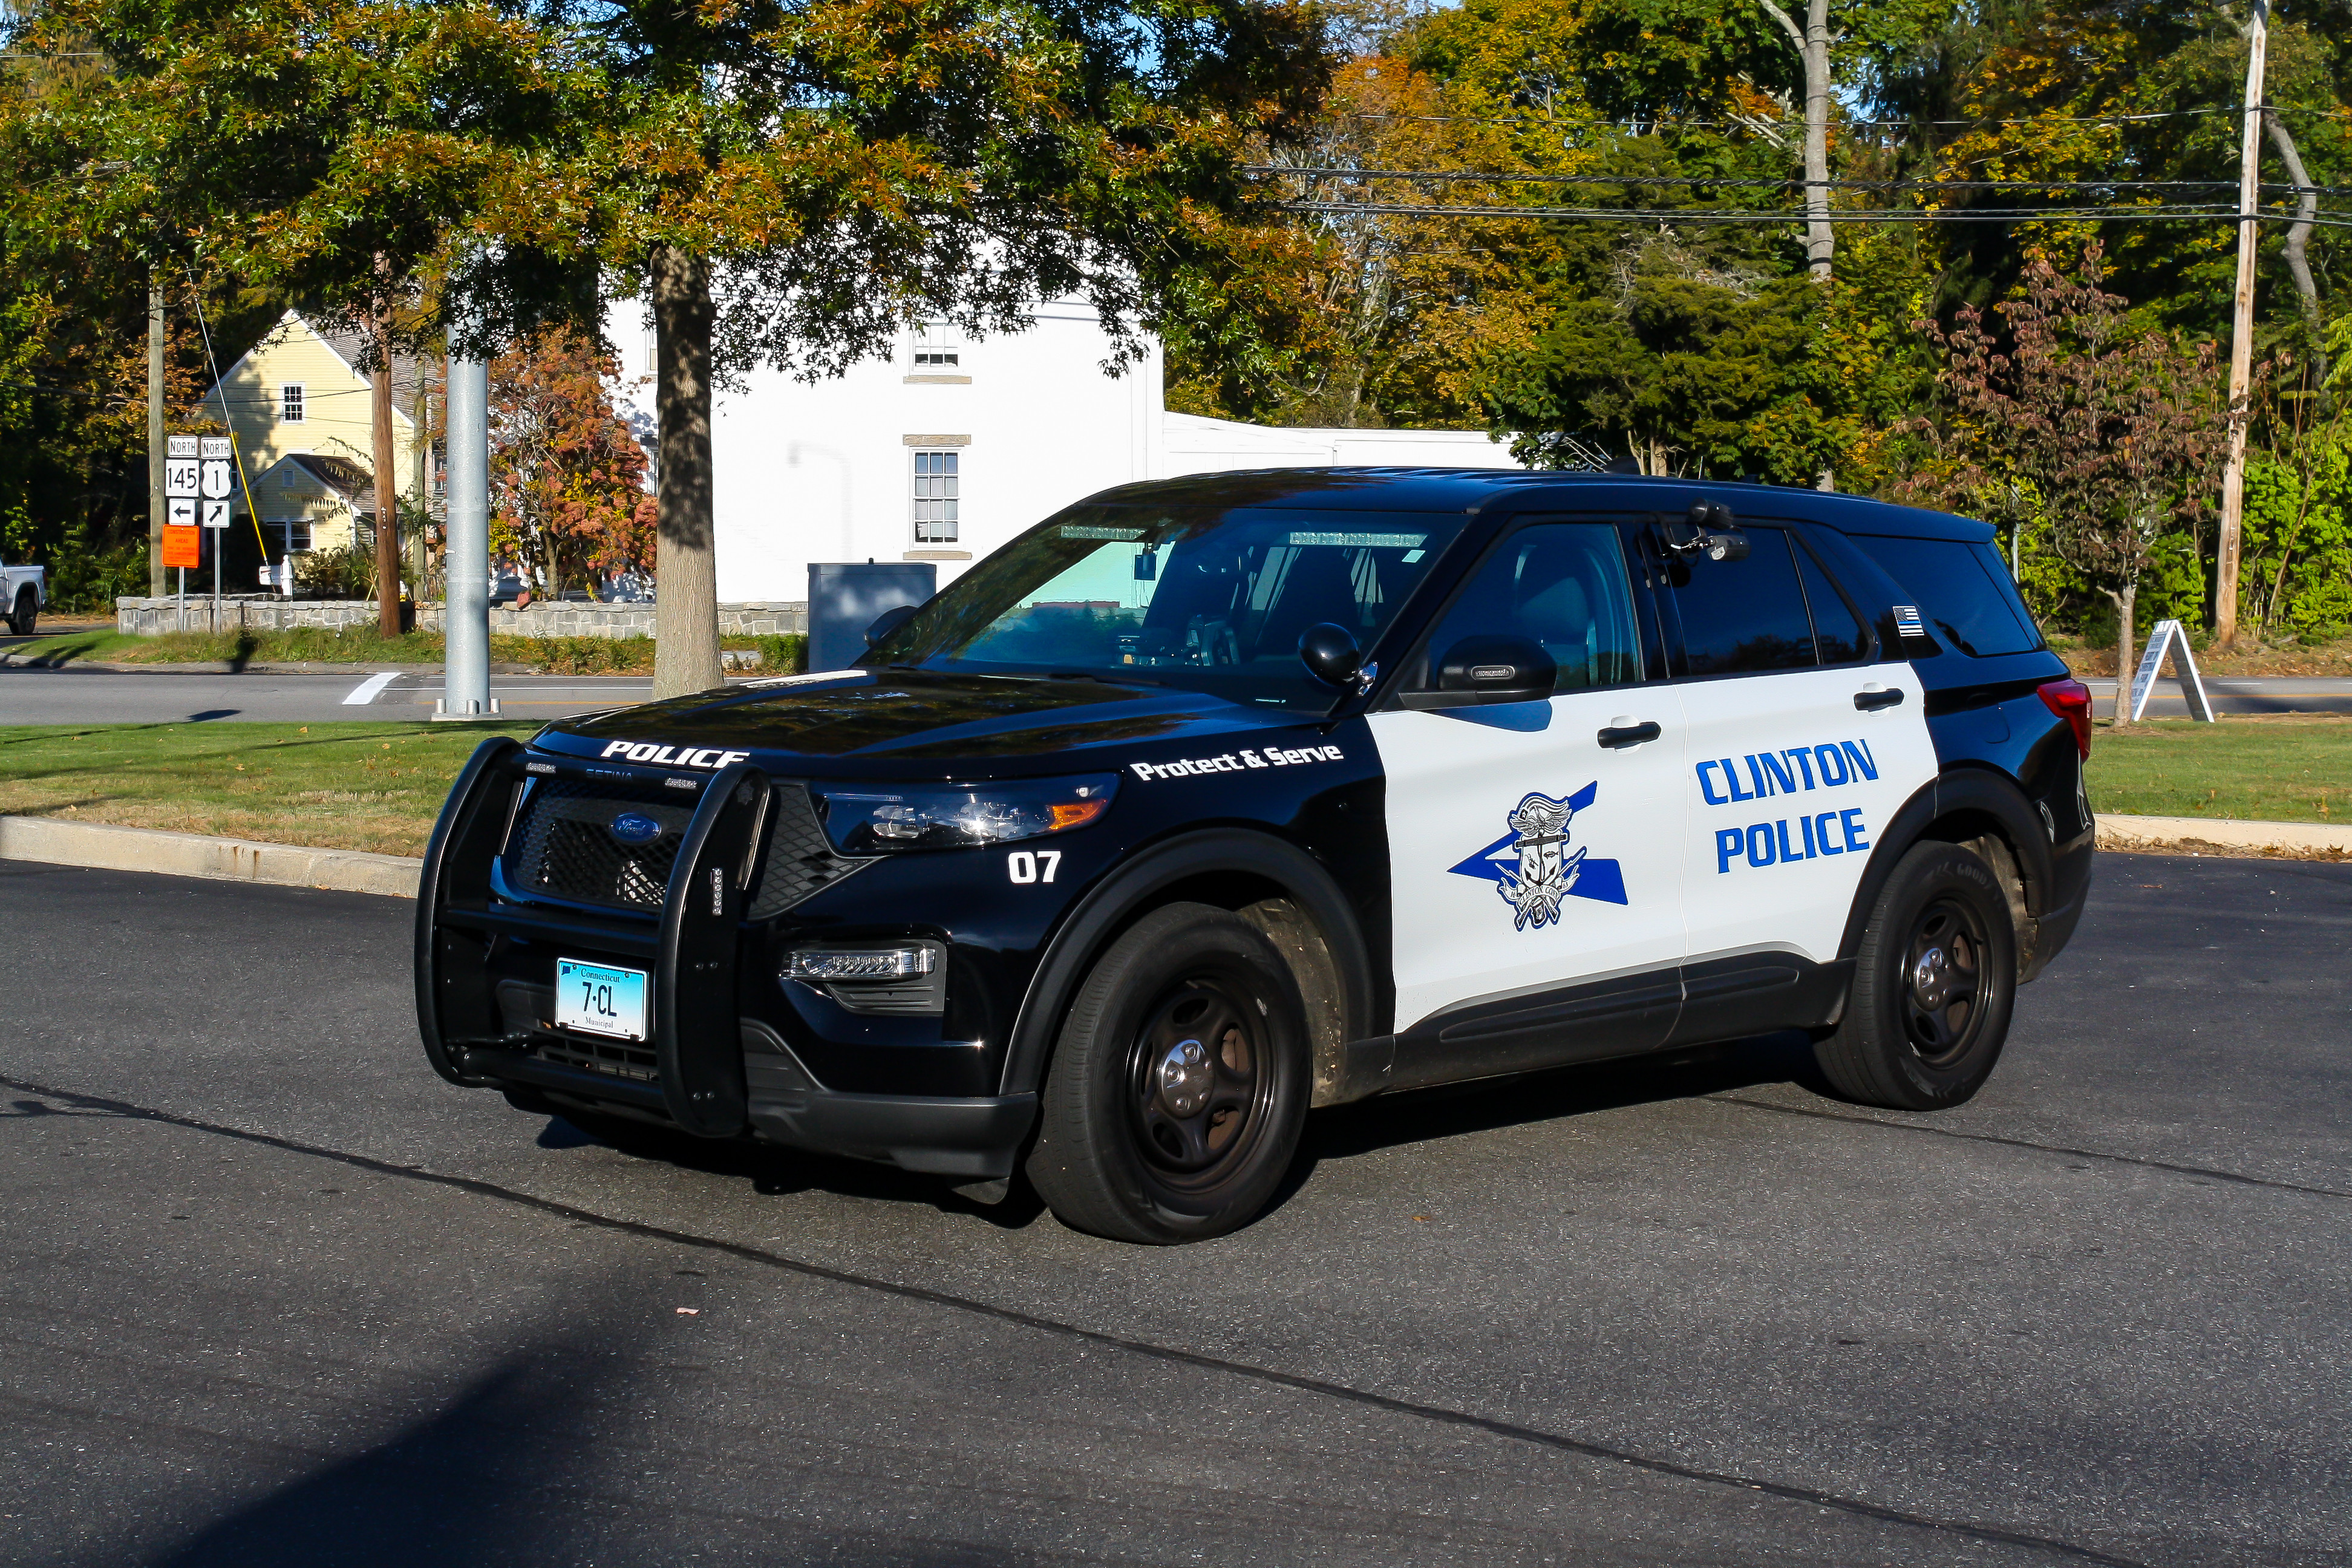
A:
(1211, 800)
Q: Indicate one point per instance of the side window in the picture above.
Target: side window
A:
(1962, 589)
(1565, 585)
(1842, 638)
(1745, 617)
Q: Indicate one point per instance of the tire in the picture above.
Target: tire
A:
(29, 611)
(1933, 986)
(1179, 1084)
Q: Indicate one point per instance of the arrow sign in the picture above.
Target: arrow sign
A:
(216, 515)
(182, 511)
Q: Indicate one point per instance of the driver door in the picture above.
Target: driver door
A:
(1535, 848)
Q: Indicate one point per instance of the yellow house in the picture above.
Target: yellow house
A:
(298, 394)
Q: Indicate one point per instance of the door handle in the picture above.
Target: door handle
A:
(1871, 699)
(1617, 735)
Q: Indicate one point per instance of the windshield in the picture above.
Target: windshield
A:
(1206, 598)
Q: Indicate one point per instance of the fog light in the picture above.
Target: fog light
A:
(839, 963)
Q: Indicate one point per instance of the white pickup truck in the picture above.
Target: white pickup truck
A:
(26, 592)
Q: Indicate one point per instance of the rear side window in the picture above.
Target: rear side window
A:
(1840, 636)
(1743, 617)
(1962, 589)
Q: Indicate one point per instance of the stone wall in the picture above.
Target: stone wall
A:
(152, 617)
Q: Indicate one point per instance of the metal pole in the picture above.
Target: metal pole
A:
(2241, 335)
(466, 554)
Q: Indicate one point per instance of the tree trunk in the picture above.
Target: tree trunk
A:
(2124, 601)
(157, 510)
(686, 565)
(387, 500)
(2298, 245)
(1813, 42)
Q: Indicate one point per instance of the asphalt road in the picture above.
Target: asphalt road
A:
(274, 1294)
(80, 696)
(75, 696)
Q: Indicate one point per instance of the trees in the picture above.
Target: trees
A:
(567, 476)
(2115, 431)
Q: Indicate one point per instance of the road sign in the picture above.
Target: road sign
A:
(218, 479)
(179, 445)
(183, 478)
(216, 515)
(183, 547)
(181, 512)
(218, 447)
(2169, 637)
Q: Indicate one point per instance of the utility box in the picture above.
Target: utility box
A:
(845, 597)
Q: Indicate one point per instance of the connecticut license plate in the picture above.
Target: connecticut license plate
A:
(599, 999)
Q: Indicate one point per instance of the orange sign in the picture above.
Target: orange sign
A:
(183, 546)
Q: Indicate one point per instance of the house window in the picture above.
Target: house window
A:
(935, 497)
(937, 348)
(289, 403)
(293, 538)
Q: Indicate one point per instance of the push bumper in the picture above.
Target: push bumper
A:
(713, 1073)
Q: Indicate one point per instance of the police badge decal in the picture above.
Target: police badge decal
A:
(1532, 867)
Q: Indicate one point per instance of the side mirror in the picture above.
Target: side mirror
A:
(888, 621)
(1494, 668)
(1329, 652)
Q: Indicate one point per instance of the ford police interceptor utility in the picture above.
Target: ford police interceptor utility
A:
(1211, 800)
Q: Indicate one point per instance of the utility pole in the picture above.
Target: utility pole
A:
(155, 509)
(387, 500)
(2241, 334)
(466, 545)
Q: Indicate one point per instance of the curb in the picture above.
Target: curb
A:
(103, 847)
(2299, 839)
(222, 666)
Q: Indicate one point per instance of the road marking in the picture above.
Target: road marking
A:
(367, 691)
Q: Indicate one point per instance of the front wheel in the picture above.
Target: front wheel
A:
(1179, 1085)
(1933, 984)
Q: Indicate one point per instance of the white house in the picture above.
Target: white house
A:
(952, 448)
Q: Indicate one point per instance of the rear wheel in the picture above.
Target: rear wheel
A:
(1179, 1084)
(29, 611)
(1933, 984)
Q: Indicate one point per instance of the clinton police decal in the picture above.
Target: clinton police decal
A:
(1532, 867)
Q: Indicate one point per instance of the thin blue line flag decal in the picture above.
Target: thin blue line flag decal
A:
(1532, 867)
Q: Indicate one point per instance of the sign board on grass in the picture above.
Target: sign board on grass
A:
(183, 546)
(2169, 637)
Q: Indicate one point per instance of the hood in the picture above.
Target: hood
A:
(919, 721)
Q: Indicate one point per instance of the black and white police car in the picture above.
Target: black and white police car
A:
(1211, 800)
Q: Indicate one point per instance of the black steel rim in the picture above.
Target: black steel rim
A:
(1200, 1077)
(1946, 983)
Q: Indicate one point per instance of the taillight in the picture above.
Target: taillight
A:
(2071, 701)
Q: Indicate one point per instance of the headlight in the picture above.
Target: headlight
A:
(867, 819)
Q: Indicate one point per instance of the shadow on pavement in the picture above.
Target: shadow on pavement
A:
(468, 1484)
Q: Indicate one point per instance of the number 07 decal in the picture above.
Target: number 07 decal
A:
(1025, 866)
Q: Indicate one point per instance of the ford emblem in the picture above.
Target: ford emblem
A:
(634, 828)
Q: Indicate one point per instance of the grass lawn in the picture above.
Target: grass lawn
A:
(555, 656)
(333, 786)
(2282, 768)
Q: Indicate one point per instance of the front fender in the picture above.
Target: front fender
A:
(1112, 904)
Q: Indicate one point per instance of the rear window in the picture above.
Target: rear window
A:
(1962, 589)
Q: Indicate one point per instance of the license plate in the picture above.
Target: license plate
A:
(599, 999)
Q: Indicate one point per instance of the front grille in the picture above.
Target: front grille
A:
(563, 847)
(632, 1060)
(800, 859)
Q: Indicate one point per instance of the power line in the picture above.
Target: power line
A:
(1835, 214)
